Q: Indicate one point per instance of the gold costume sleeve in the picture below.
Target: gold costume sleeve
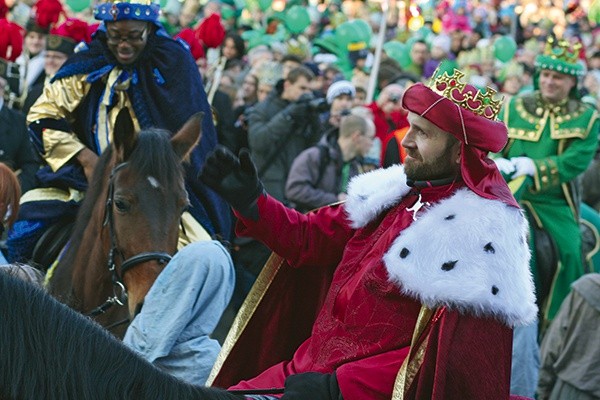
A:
(59, 100)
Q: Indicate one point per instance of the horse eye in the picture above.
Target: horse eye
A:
(121, 206)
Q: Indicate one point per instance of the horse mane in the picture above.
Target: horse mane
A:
(152, 156)
(50, 351)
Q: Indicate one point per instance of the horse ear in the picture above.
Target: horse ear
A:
(188, 136)
(124, 135)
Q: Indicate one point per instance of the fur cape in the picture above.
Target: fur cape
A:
(465, 252)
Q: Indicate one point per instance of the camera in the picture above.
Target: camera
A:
(318, 105)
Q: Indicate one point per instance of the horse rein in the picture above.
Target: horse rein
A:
(119, 296)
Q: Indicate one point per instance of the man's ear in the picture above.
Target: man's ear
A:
(457, 151)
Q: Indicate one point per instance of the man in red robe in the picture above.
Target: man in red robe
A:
(429, 260)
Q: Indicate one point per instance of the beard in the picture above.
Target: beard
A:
(442, 167)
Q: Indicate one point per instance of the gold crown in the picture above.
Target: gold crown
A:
(562, 50)
(468, 97)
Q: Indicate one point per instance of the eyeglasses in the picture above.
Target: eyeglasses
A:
(116, 40)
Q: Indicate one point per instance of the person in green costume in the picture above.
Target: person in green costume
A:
(553, 137)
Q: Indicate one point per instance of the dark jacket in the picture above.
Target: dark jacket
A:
(315, 178)
(276, 139)
(16, 150)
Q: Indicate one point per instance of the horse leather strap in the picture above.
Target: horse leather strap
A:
(127, 264)
(162, 258)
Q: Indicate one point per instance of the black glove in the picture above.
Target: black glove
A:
(311, 386)
(297, 111)
(234, 179)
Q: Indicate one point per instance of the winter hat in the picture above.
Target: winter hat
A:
(211, 32)
(47, 13)
(339, 88)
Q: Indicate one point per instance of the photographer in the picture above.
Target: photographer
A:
(320, 174)
(281, 127)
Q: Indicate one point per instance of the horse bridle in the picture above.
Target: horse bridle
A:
(119, 289)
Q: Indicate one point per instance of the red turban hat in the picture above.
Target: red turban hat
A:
(470, 116)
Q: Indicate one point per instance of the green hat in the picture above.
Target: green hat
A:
(561, 57)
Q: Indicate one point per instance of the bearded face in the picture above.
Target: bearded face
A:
(430, 152)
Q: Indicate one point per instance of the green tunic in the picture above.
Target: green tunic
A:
(561, 139)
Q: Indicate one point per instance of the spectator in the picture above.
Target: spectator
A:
(280, 128)
(248, 98)
(340, 96)
(16, 150)
(571, 346)
(419, 55)
(388, 114)
(31, 61)
(320, 174)
(233, 49)
(59, 46)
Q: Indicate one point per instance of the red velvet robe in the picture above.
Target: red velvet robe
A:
(365, 327)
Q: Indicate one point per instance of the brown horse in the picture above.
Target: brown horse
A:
(128, 225)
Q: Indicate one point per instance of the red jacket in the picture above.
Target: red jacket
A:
(364, 329)
(386, 125)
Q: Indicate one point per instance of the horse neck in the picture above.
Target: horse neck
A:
(86, 263)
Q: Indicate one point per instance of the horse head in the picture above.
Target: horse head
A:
(145, 200)
(127, 227)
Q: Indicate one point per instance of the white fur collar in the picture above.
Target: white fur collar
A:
(470, 254)
(371, 193)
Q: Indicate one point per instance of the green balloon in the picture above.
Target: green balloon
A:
(80, 5)
(264, 4)
(399, 52)
(297, 19)
(505, 48)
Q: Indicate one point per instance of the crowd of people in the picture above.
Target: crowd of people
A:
(401, 150)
